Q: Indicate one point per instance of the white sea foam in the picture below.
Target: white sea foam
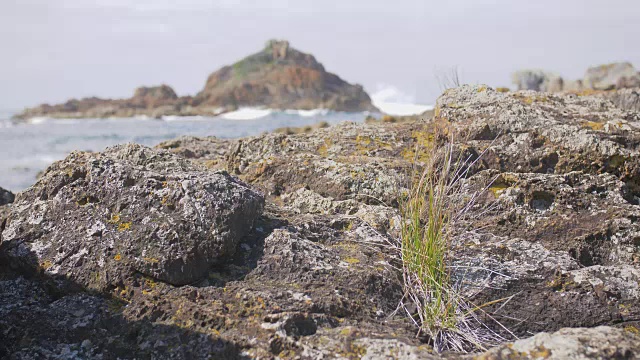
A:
(57, 121)
(390, 100)
(38, 120)
(399, 109)
(176, 118)
(307, 113)
(246, 114)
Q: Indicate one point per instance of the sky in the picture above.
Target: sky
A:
(53, 50)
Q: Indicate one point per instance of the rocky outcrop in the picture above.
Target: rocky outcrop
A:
(550, 249)
(99, 219)
(611, 76)
(598, 78)
(278, 77)
(282, 77)
(147, 101)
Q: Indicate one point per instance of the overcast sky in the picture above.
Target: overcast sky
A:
(52, 50)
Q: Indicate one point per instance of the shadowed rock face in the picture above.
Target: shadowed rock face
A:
(278, 77)
(100, 218)
(6, 197)
(555, 236)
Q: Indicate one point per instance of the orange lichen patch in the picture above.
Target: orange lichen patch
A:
(323, 150)
(210, 164)
(149, 286)
(454, 106)
(115, 218)
(500, 184)
(351, 260)
(498, 189)
(632, 329)
(364, 144)
(540, 352)
(124, 226)
(419, 150)
(593, 125)
(587, 92)
(118, 257)
(86, 199)
(531, 99)
(287, 354)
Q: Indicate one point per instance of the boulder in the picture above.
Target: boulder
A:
(610, 76)
(100, 218)
(154, 96)
(537, 80)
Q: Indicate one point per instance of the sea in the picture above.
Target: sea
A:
(28, 148)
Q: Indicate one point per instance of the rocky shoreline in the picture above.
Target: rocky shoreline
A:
(277, 77)
(276, 246)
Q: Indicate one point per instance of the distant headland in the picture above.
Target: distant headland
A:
(278, 77)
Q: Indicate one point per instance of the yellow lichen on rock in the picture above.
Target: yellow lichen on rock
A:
(124, 226)
(593, 125)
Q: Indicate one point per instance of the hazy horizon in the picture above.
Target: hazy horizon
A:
(56, 50)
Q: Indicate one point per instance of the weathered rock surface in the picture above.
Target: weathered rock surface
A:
(626, 99)
(553, 241)
(278, 77)
(597, 343)
(98, 219)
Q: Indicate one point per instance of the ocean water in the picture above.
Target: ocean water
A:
(28, 148)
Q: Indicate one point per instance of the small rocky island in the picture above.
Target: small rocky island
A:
(278, 77)
(278, 246)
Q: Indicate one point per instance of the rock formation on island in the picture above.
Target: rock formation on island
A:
(282, 77)
(278, 246)
(278, 77)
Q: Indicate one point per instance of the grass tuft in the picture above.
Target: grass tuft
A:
(435, 204)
